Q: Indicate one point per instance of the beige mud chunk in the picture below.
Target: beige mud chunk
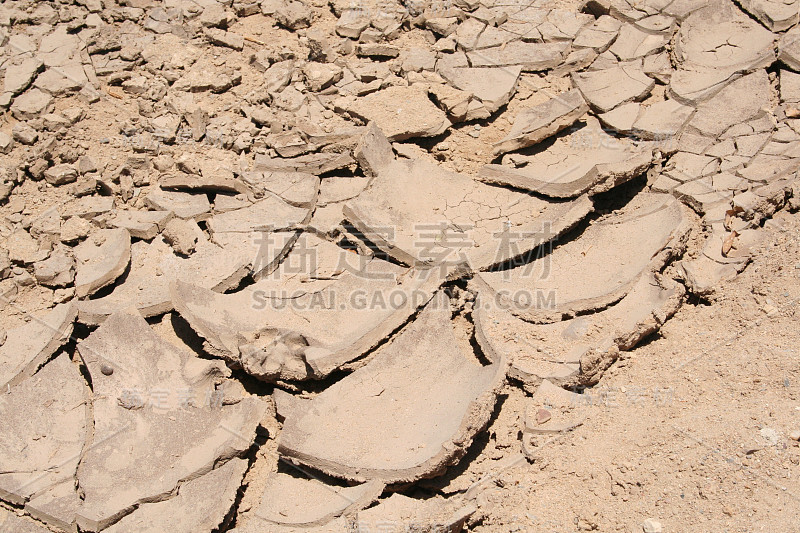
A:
(598, 268)
(6, 143)
(789, 49)
(57, 506)
(658, 66)
(22, 248)
(421, 214)
(21, 132)
(702, 195)
(298, 189)
(662, 121)
(316, 163)
(141, 224)
(154, 266)
(87, 207)
(158, 403)
(183, 204)
(687, 166)
(537, 123)
(75, 229)
(416, 59)
(227, 202)
(621, 119)
(201, 504)
(31, 104)
(777, 15)
(44, 431)
(625, 10)
(298, 502)
(609, 88)
(58, 270)
(691, 87)
(224, 38)
(715, 46)
(377, 50)
(719, 36)
(351, 23)
(321, 75)
(264, 249)
(633, 43)
(776, 162)
(182, 235)
(532, 57)
(101, 259)
(204, 76)
(399, 513)
(598, 35)
(712, 267)
(271, 213)
(18, 76)
(294, 15)
(790, 87)
(587, 160)
(742, 100)
(494, 87)
(403, 416)
(556, 351)
(552, 410)
(401, 113)
(60, 174)
(455, 103)
(28, 347)
(20, 524)
(338, 189)
(341, 307)
(327, 220)
(373, 151)
(220, 181)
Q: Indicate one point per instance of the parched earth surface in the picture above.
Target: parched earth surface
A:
(307, 266)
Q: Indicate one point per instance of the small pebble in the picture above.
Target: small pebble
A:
(106, 370)
(542, 416)
(652, 526)
(795, 435)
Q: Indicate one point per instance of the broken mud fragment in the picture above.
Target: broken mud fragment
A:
(29, 346)
(38, 452)
(742, 100)
(401, 113)
(536, 124)
(610, 88)
(101, 259)
(404, 415)
(596, 269)
(270, 214)
(154, 266)
(202, 504)
(776, 15)
(557, 351)
(158, 420)
(399, 513)
(309, 317)
(423, 215)
(289, 501)
(298, 189)
(585, 160)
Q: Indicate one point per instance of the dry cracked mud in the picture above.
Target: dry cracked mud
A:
(332, 266)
